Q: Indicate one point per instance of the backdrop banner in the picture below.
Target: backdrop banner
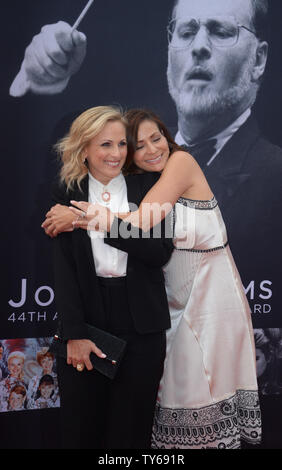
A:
(136, 54)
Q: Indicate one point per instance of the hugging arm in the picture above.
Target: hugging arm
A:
(181, 175)
(59, 218)
(176, 178)
(152, 248)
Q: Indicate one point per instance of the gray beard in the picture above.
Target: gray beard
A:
(201, 103)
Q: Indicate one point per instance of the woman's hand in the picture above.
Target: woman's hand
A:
(79, 351)
(58, 219)
(92, 216)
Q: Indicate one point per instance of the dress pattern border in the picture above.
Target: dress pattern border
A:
(198, 204)
(221, 425)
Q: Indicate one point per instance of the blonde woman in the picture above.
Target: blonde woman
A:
(120, 290)
(15, 361)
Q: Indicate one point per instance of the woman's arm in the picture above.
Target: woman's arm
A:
(68, 296)
(58, 219)
(181, 176)
(178, 177)
(153, 248)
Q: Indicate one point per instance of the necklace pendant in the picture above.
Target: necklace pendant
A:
(106, 196)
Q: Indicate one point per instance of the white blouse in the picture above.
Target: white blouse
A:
(109, 261)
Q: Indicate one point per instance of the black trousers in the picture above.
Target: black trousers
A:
(100, 413)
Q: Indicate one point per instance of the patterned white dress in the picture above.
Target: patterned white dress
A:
(208, 396)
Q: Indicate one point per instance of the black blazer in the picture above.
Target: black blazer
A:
(78, 296)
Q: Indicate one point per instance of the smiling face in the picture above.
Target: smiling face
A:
(152, 149)
(106, 152)
(16, 400)
(204, 78)
(46, 390)
(15, 366)
(47, 364)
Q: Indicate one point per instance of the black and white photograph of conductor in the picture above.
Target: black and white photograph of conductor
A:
(217, 58)
(216, 62)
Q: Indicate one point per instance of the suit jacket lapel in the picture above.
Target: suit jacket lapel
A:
(226, 174)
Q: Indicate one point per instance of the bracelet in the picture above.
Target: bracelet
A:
(73, 223)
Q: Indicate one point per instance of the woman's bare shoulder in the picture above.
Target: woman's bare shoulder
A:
(181, 160)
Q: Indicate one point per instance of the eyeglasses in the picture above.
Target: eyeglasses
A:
(222, 31)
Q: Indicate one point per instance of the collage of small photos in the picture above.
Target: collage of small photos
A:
(28, 377)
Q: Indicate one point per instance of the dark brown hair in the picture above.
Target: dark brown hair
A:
(135, 117)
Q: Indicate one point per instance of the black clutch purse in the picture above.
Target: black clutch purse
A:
(111, 345)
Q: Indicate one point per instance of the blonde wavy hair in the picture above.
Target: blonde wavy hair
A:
(71, 148)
